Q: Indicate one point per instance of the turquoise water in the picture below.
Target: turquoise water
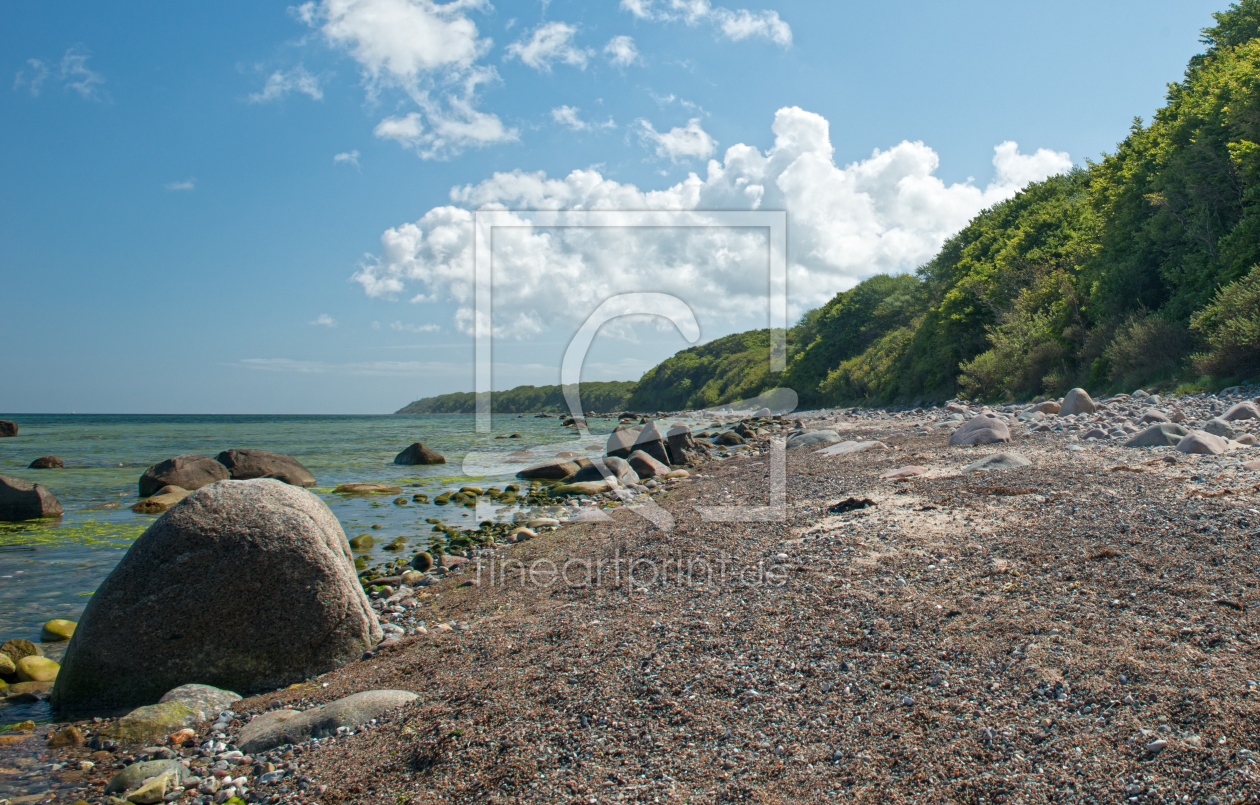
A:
(49, 568)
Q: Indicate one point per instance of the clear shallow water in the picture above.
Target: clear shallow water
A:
(48, 569)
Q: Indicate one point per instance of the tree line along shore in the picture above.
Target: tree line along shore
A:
(1141, 268)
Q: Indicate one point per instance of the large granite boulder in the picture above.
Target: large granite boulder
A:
(645, 466)
(8, 428)
(680, 445)
(556, 469)
(623, 442)
(982, 429)
(23, 500)
(246, 465)
(618, 468)
(1162, 434)
(245, 585)
(418, 454)
(189, 472)
(1077, 401)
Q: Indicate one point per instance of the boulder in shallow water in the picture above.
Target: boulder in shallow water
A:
(161, 500)
(998, 461)
(47, 463)
(56, 630)
(982, 429)
(555, 469)
(245, 465)
(417, 454)
(1077, 401)
(1203, 443)
(8, 428)
(23, 500)
(279, 727)
(1163, 434)
(368, 489)
(190, 471)
(730, 439)
(36, 669)
(246, 586)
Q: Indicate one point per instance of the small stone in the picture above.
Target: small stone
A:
(1156, 746)
(68, 737)
(56, 630)
(18, 648)
(37, 669)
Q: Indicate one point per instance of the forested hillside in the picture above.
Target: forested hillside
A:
(1137, 269)
(595, 396)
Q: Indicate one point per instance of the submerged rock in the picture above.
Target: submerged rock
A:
(279, 727)
(368, 489)
(23, 500)
(8, 428)
(190, 471)
(246, 585)
(418, 454)
(47, 463)
(245, 465)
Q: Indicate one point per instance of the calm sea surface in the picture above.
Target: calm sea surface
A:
(48, 569)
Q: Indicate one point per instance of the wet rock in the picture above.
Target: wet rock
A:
(206, 700)
(23, 500)
(645, 466)
(136, 774)
(290, 726)
(1077, 401)
(57, 629)
(148, 724)
(367, 489)
(47, 463)
(66, 738)
(246, 585)
(982, 429)
(1164, 434)
(190, 471)
(7, 666)
(998, 461)
(812, 437)
(17, 648)
(8, 428)
(554, 470)
(1203, 443)
(245, 465)
(161, 500)
(590, 488)
(602, 468)
(730, 438)
(418, 454)
(36, 669)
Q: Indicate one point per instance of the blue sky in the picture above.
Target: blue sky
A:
(260, 208)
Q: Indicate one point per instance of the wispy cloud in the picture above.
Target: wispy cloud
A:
(324, 320)
(568, 116)
(73, 73)
(414, 328)
(621, 51)
(187, 184)
(281, 83)
(550, 42)
(734, 25)
(348, 157)
(680, 142)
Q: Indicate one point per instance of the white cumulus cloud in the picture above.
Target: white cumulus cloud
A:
(621, 51)
(549, 43)
(680, 142)
(428, 51)
(281, 83)
(886, 213)
(735, 25)
(567, 116)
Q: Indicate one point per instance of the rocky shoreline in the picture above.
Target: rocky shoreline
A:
(1075, 628)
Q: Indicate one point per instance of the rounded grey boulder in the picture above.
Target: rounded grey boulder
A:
(619, 468)
(246, 465)
(1198, 441)
(1077, 401)
(982, 429)
(555, 469)
(189, 472)
(245, 585)
(23, 500)
(645, 466)
(998, 461)
(812, 437)
(279, 727)
(1243, 410)
(1219, 427)
(1163, 434)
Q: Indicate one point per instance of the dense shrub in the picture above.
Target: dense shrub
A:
(1231, 326)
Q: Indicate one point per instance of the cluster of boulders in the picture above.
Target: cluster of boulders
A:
(25, 672)
(168, 482)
